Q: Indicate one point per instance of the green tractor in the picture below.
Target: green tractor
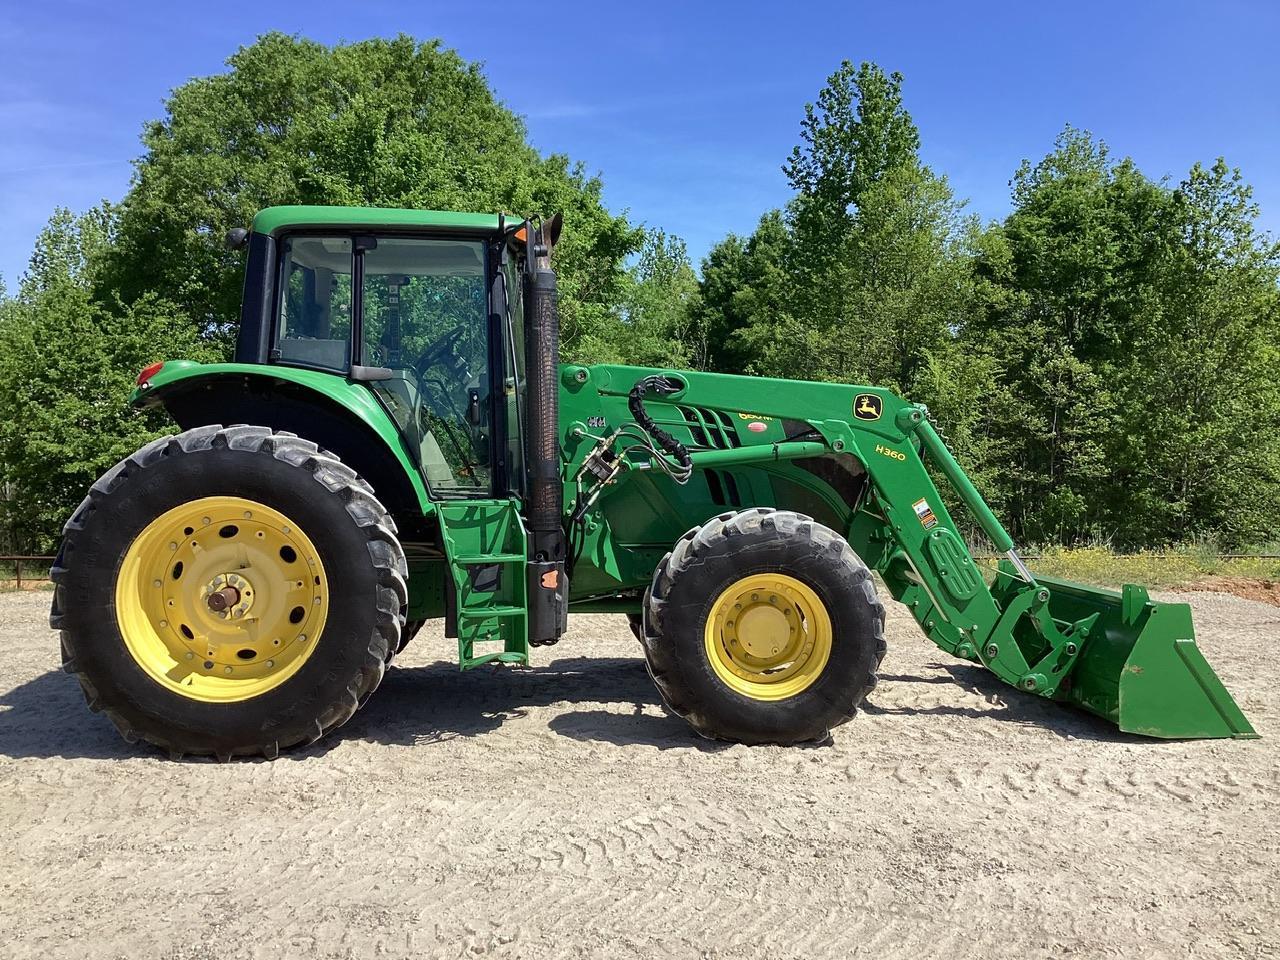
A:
(397, 441)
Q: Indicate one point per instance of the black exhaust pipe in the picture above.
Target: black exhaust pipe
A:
(548, 592)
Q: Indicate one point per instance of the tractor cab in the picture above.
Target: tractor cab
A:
(419, 313)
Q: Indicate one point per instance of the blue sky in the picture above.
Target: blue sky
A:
(686, 109)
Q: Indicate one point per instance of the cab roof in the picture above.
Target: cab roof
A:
(274, 219)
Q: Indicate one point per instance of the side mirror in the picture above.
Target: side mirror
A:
(551, 232)
(236, 238)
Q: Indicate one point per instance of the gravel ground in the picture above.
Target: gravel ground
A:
(558, 812)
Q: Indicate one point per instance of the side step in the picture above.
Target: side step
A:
(485, 543)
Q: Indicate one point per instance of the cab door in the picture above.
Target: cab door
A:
(422, 309)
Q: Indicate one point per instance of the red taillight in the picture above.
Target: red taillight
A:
(148, 372)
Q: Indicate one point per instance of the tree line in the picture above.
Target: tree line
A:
(1105, 360)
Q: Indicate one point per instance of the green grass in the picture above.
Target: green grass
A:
(1161, 569)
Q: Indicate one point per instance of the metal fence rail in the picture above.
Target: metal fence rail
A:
(37, 569)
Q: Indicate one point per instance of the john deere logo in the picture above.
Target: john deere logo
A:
(867, 406)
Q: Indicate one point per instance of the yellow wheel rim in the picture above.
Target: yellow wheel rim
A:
(221, 599)
(768, 636)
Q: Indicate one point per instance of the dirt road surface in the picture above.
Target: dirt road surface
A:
(558, 812)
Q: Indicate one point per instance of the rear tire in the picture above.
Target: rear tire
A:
(142, 678)
(805, 651)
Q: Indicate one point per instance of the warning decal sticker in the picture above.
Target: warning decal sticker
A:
(927, 517)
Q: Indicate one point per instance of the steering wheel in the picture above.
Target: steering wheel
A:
(444, 349)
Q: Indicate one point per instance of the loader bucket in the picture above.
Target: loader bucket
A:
(1140, 667)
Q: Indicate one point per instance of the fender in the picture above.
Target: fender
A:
(340, 415)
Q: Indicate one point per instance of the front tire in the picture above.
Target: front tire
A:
(229, 592)
(763, 627)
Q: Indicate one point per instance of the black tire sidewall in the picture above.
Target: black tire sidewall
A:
(297, 709)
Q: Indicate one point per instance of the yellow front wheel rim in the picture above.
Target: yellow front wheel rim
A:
(768, 636)
(221, 599)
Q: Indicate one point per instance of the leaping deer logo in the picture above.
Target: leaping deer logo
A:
(867, 406)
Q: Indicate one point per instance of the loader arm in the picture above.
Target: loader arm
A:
(1120, 656)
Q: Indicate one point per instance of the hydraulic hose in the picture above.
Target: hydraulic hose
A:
(635, 401)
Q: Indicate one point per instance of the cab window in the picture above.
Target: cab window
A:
(315, 302)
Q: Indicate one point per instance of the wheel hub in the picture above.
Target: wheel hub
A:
(229, 596)
(763, 629)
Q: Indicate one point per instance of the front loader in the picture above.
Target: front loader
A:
(397, 441)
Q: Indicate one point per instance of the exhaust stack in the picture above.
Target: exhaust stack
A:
(548, 586)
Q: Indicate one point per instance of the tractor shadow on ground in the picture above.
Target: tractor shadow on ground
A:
(1007, 705)
(421, 705)
(47, 717)
(414, 706)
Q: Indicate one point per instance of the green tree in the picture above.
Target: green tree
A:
(1137, 327)
(71, 247)
(1075, 260)
(393, 123)
(873, 267)
(856, 133)
(1206, 463)
(743, 286)
(67, 366)
(377, 123)
(660, 312)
